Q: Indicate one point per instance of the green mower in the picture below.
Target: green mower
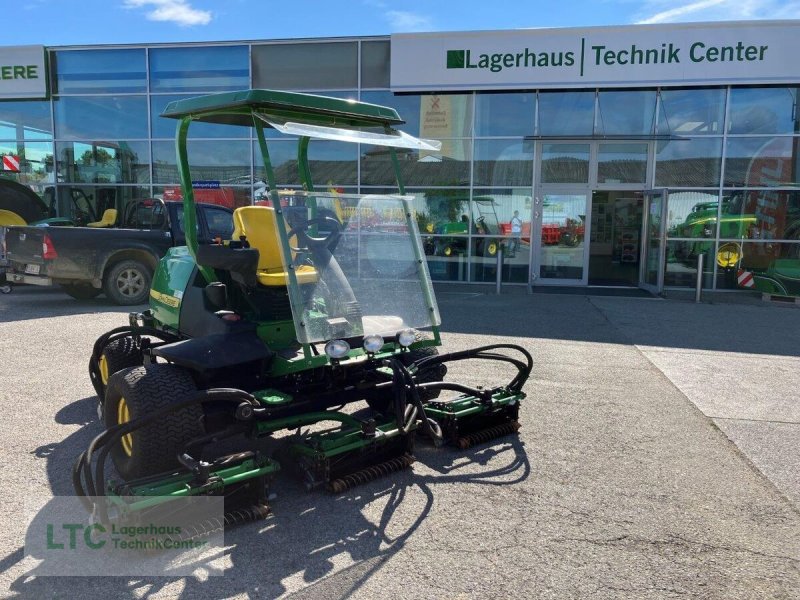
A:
(301, 314)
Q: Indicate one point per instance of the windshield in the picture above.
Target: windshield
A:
(359, 265)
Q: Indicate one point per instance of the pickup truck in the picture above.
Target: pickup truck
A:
(120, 261)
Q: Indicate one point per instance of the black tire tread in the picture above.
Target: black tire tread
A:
(147, 389)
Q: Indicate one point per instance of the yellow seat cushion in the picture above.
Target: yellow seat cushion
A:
(257, 224)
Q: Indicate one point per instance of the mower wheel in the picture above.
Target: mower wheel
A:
(127, 282)
(119, 354)
(140, 391)
(81, 291)
(382, 403)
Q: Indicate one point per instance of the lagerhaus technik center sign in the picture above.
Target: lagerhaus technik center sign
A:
(640, 55)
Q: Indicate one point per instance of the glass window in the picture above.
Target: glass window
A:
(199, 69)
(101, 117)
(226, 162)
(622, 163)
(691, 112)
(681, 267)
(760, 215)
(100, 71)
(775, 267)
(450, 167)
(288, 66)
(565, 163)
(692, 214)
(688, 163)
(626, 112)
(503, 162)
(764, 110)
(566, 113)
(407, 106)
(165, 128)
(220, 222)
(505, 114)
(103, 162)
(35, 163)
(25, 121)
(86, 203)
(762, 162)
(332, 164)
(375, 58)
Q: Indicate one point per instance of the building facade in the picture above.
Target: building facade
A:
(602, 156)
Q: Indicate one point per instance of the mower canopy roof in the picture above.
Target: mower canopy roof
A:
(238, 108)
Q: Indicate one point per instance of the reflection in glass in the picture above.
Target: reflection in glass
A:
(566, 113)
(103, 162)
(565, 163)
(196, 69)
(691, 112)
(622, 163)
(25, 121)
(764, 110)
(35, 161)
(449, 167)
(775, 267)
(286, 66)
(692, 214)
(375, 64)
(503, 162)
(760, 215)
(227, 162)
(626, 112)
(100, 71)
(505, 114)
(681, 267)
(762, 162)
(101, 118)
(563, 229)
(688, 163)
(165, 128)
(332, 164)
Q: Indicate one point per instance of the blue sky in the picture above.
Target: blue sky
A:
(70, 22)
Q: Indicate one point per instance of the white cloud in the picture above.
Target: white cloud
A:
(665, 11)
(408, 21)
(179, 12)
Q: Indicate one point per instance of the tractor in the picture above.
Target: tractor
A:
(287, 326)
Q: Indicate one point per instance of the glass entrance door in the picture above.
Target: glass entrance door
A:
(561, 224)
(651, 273)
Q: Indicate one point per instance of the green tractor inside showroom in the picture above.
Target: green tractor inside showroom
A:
(283, 329)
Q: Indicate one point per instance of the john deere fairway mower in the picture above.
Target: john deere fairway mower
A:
(306, 310)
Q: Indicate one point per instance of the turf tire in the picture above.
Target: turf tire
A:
(147, 389)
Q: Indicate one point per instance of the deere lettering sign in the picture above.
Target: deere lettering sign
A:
(650, 55)
(22, 72)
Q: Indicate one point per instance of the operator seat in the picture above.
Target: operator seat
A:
(107, 220)
(257, 224)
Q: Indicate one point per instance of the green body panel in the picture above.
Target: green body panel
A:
(172, 277)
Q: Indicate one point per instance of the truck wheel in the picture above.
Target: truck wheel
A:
(128, 282)
(382, 403)
(138, 392)
(81, 291)
(119, 354)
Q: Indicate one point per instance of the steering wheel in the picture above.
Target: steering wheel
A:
(310, 242)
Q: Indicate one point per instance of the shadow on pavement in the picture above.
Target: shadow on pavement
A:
(300, 545)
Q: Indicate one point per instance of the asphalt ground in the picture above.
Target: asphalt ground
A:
(623, 482)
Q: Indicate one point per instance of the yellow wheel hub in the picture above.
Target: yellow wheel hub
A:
(103, 364)
(728, 255)
(123, 416)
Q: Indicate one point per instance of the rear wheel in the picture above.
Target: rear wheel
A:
(128, 282)
(138, 392)
(81, 291)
